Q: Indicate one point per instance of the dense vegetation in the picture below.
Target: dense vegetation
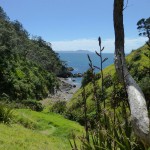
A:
(53, 131)
(138, 65)
(28, 66)
(28, 72)
(29, 69)
(101, 105)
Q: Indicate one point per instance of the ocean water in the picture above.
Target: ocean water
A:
(80, 63)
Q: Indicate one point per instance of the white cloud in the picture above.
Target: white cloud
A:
(134, 43)
(92, 44)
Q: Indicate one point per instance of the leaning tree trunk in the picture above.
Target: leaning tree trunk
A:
(139, 113)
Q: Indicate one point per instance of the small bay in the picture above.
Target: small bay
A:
(79, 61)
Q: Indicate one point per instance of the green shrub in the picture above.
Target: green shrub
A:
(145, 86)
(4, 97)
(87, 77)
(59, 107)
(74, 115)
(108, 81)
(33, 104)
(6, 113)
(147, 54)
(136, 56)
(113, 132)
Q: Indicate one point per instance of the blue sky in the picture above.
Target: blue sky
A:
(76, 24)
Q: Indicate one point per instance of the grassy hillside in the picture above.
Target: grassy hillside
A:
(138, 64)
(37, 130)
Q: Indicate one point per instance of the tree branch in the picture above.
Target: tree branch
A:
(126, 5)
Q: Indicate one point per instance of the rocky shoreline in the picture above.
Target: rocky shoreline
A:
(64, 93)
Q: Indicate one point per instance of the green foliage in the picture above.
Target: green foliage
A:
(28, 67)
(33, 104)
(59, 107)
(45, 56)
(76, 115)
(112, 135)
(136, 57)
(113, 130)
(139, 69)
(145, 86)
(108, 81)
(3, 15)
(26, 80)
(112, 127)
(87, 77)
(144, 27)
(6, 113)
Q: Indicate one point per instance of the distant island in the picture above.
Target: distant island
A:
(76, 51)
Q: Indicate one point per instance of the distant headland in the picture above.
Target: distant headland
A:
(76, 51)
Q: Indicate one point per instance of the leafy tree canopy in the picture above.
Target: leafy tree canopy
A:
(144, 27)
(28, 66)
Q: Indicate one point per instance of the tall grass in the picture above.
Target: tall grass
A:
(6, 113)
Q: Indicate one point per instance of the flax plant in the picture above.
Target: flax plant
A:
(113, 129)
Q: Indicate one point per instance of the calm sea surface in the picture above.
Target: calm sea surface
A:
(80, 62)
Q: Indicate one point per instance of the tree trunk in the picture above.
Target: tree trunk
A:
(139, 113)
